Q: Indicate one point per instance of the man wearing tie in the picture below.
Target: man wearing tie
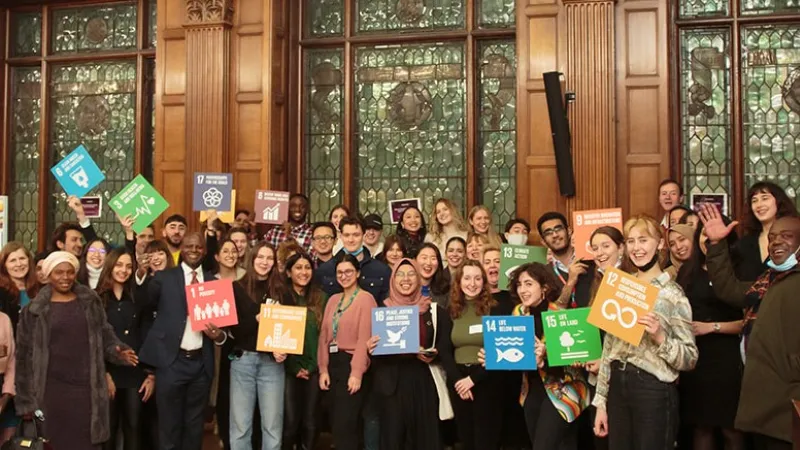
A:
(183, 359)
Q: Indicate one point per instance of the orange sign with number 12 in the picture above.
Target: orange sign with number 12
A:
(619, 303)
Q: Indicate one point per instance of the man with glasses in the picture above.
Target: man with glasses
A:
(323, 236)
(375, 275)
(574, 276)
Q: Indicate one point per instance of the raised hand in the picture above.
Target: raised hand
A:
(713, 226)
(75, 204)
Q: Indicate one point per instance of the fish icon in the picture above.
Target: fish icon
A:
(511, 355)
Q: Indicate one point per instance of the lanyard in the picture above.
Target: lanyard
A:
(564, 282)
(340, 310)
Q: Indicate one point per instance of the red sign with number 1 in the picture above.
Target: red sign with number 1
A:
(211, 302)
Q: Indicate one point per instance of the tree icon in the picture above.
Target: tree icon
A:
(566, 340)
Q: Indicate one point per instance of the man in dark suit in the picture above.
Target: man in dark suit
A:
(183, 359)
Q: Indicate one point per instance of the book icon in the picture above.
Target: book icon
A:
(272, 213)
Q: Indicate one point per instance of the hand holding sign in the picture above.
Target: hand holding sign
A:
(620, 302)
(140, 201)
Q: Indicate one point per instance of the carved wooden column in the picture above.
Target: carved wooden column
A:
(208, 35)
(590, 74)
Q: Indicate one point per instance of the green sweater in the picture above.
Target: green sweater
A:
(308, 360)
(467, 344)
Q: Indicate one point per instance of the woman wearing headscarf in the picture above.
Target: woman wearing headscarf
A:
(408, 397)
(63, 342)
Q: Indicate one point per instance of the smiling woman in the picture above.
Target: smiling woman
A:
(18, 282)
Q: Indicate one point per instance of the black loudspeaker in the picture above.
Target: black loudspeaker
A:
(561, 138)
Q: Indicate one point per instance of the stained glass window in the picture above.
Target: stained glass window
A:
(94, 104)
(93, 29)
(771, 104)
(410, 114)
(497, 13)
(409, 15)
(753, 7)
(152, 24)
(703, 8)
(497, 138)
(324, 129)
(705, 111)
(26, 96)
(149, 115)
(324, 18)
(26, 34)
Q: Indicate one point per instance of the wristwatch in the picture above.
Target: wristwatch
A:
(716, 327)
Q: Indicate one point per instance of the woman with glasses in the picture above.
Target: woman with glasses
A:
(92, 259)
(342, 354)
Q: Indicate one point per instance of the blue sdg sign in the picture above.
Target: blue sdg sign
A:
(77, 173)
(509, 342)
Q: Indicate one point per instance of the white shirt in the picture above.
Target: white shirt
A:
(192, 340)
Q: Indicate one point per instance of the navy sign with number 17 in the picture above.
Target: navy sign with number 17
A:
(509, 343)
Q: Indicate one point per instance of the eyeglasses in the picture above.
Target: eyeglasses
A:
(345, 273)
(101, 251)
(551, 231)
(324, 238)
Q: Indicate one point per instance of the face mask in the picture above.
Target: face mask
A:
(517, 239)
(790, 262)
(355, 253)
(649, 265)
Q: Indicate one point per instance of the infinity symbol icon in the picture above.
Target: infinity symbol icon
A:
(618, 314)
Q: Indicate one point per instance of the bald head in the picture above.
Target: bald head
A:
(193, 249)
(784, 239)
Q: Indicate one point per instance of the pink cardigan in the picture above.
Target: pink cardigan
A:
(355, 329)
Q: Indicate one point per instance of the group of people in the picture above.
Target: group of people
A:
(95, 337)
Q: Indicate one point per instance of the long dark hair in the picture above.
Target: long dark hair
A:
(217, 265)
(439, 283)
(782, 201)
(83, 271)
(458, 301)
(547, 282)
(105, 284)
(275, 286)
(315, 298)
(691, 271)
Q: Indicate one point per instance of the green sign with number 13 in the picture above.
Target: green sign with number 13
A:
(513, 256)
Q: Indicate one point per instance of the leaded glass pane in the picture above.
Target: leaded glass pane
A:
(705, 111)
(26, 34)
(94, 28)
(703, 8)
(758, 7)
(409, 15)
(149, 116)
(497, 136)
(497, 13)
(771, 104)
(324, 128)
(152, 24)
(410, 131)
(26, 100)
(324, 18)
(94, 104)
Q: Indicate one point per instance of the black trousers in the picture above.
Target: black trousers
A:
(125, 414)
(762, 442)
(642, 411)
(479, 421)
(150, 424)
(546, 428)
(346, 408)
(301, 401)
(182, 391)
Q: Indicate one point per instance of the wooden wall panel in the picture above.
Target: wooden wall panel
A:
(590, 75)
(540, 48)
(643, 157)
(169, 161)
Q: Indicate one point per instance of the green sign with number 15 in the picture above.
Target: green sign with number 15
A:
(569, 338)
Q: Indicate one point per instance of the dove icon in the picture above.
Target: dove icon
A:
(394, 336)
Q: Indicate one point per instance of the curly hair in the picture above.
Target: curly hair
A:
(458, 301)
(782, 201)
(541, 274)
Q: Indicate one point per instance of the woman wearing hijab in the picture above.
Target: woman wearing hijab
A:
(63, 342)
(410, 403)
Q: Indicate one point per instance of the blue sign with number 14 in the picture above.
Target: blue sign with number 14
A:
(509, 342)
